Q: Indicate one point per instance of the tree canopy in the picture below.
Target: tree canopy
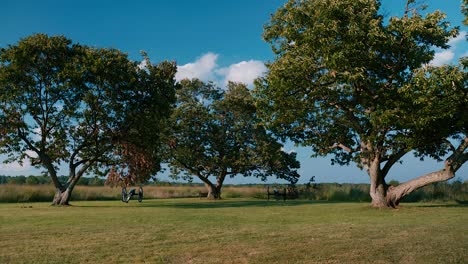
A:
(346, 81)
(216, 134)
(90, 108)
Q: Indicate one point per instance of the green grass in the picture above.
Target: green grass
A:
(232, 231)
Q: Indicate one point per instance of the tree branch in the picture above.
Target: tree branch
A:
(451, 146)
(459, 156)
(25, 139)
(45, 159)
(452, 164)
(392, 160)
(343, 147)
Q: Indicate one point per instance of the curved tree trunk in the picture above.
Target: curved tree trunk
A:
(213, 192)
(63, 193)
(62, 197)
(378, 193)
(378, 187)
(452, 164)
(395, 194)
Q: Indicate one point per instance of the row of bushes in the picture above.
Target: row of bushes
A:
(321, 192)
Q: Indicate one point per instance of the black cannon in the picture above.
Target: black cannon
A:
(127, 196)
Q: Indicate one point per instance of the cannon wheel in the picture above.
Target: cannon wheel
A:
(124, 194)
(140, 194)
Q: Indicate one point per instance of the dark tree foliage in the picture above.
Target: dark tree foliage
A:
(349, 83)
(217, 134)
(89, 108)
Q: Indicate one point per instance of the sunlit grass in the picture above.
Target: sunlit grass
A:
(232, 231)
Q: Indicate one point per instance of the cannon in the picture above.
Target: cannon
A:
(126, 196)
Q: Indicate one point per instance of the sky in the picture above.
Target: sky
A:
(214, 40)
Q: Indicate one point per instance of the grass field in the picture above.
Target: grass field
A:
(232, 231)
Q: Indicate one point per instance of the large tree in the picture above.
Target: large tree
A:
(64, 103)
(433, 114)
(347, 82)
(216, 134)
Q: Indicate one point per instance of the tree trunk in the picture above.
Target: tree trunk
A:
(378, 187)
(219, 184)
(63, 194)
(378, 194)
(213, 191)
(452, 164)
(395, 194)
(62, 197)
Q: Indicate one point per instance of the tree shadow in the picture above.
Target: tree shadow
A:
(229, 204)
(457, 204)
(206, 204)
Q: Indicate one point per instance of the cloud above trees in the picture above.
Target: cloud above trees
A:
(203, 68)
(206, 68)
(244, 71)
(442, 57)
(14, 167)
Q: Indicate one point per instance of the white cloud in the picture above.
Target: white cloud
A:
(206, 68)
(31, 154)
(245, 71)
(288, 151)
(460, 37)
(15, 167)
(443, 57)
(447, 56)
(203, 68)
(36, 134)
(142, 65)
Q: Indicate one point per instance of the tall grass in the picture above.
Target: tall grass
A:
(322, 192)
(12, 193)
(44, 193)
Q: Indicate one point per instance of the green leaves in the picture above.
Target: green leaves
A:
(217, 133)
(87, 107)
(435, 106)
(344, 80)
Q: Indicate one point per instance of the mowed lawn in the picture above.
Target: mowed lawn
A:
(232, 231)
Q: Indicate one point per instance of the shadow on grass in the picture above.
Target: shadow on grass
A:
(226, 203)
(215, 204)
(458, 204)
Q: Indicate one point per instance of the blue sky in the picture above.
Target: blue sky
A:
(209, 39)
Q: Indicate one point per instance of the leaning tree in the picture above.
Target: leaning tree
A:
(216, 133)
(351, 84)
(65, 104)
